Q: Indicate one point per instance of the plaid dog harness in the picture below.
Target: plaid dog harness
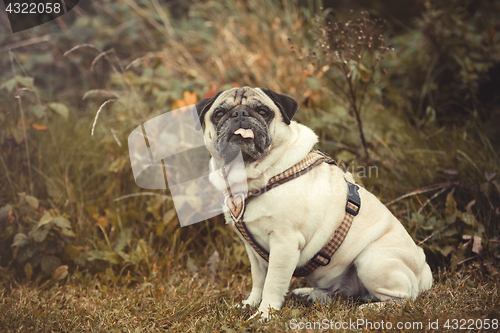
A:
(236, 206)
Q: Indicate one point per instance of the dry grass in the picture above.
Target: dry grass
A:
(192, 303)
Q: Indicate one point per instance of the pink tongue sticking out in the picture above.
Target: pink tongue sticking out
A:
(246, 133)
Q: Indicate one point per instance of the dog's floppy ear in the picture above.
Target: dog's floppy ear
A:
(287, 105)
(202, 108)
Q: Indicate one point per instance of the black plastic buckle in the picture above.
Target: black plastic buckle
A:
(352, 197)
(321, 255)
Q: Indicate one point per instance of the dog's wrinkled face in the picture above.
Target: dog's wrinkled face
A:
(242, 119)
(243, 126)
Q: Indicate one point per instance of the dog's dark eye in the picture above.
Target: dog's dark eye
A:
(219, 115)
(263, 113)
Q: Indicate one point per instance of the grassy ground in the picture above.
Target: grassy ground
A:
(201, 302)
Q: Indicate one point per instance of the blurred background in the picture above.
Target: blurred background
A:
(408, 88)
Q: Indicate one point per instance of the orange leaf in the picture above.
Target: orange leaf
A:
(211, 93)
(235, 85)
(189, 99)
(39, 126)
(21, 121)
(102, 221)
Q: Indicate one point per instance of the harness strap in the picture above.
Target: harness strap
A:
(313, 159)
(236, 202)
(323, 257)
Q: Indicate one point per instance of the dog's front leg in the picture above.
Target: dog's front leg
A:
(259, 271)
(283, 259)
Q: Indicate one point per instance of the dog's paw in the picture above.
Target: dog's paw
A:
(379, 306)
(264, 313)
(244, 307)
(248, 304)
(313, 295)
(260, 317)
(302, 291)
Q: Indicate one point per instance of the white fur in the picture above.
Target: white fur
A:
(378, 258)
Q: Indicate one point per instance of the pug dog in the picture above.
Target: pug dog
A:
(377, 260)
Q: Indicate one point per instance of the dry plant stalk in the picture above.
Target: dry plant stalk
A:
(350, 54)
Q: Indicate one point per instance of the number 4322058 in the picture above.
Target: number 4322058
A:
(471, 324)
(33, 8)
